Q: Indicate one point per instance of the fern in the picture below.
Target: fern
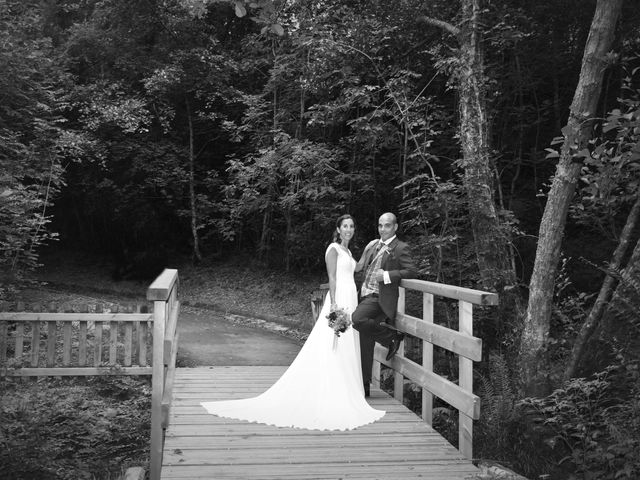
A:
(497, 392)
(498, 409)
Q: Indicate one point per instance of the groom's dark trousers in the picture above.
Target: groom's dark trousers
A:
(370, 321)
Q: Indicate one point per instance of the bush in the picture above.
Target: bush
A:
(73, 428)
(593, 425)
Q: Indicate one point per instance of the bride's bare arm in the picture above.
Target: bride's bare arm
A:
(331, 259)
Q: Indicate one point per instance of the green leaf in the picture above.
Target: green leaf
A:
(277, 29)
(240, 10)
(584, 153)
(551, 153)
(567, 130)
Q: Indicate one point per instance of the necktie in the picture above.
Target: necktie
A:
(375, 252)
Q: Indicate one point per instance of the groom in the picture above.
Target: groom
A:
(384, 263)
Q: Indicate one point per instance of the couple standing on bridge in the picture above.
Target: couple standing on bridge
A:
(326, 385)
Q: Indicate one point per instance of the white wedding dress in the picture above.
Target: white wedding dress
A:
(322, 389)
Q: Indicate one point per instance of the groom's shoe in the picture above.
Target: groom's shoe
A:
(367, 391)
(395, 345)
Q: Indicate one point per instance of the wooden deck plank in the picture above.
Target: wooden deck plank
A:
(276, 454)
(319, 441)
(199, 445)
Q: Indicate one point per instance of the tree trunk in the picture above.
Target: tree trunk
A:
(606, 290)
(490, 238)
(275, 89)
(192, 190)
(287, 239)
(535, 334)
(621, 320)
(264, 246)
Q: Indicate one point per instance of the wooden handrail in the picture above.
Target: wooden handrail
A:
(100, 334)
(456, 396)
(74, 317)
(73, 344)
(164, 294)
(456, 342)
(462, 342)
(163, 286)
(476, 297)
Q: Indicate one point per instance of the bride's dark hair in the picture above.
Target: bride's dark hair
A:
(336, 235)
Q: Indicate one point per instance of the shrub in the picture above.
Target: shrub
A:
(593, 425)
(73, 428)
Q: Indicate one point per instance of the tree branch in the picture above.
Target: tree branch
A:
(447, 27)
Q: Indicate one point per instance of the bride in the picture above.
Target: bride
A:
(322, 389)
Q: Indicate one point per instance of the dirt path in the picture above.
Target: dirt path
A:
(212, 338)
(207, 336)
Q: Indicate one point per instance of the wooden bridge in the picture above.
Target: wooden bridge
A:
(189, 443)
(203, 446)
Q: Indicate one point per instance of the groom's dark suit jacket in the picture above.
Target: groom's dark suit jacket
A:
(398, 262)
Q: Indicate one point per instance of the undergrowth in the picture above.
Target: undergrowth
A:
(73, 429)
(592, 426)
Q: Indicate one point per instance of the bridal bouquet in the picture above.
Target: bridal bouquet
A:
(339, 320)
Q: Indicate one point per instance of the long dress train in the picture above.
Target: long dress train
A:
(322, 389)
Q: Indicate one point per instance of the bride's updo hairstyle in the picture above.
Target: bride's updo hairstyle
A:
(336, 235)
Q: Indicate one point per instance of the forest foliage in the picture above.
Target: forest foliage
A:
(147, 130)
(74, 428)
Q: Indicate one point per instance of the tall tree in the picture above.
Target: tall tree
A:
(577, 133)
(31, 137)
(490, 235)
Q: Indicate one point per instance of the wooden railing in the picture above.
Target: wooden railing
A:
(163, 292)
(92, 342)
(72, 343)
(461, 342)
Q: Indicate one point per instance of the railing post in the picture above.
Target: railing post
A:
(398, 378)
(157, 382)
(465, 373)
(163, 293)
(427, 359)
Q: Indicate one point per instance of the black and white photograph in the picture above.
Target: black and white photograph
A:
(319, 240)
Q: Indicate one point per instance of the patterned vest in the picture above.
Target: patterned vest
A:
(370, 284)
